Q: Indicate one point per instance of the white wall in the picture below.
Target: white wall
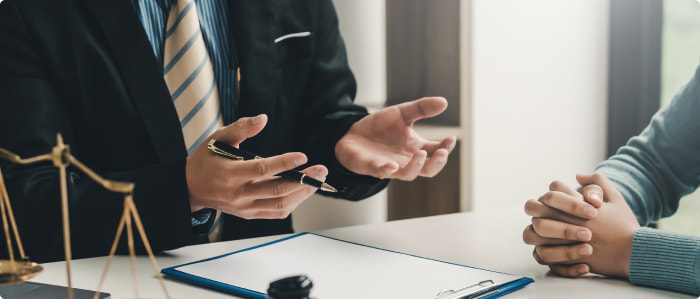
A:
(362, 24)
(539, 91)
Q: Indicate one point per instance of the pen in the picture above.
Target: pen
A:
(233, 153)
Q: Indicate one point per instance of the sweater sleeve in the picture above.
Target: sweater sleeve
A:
(653, 171)
(662, 164)
(666, 260)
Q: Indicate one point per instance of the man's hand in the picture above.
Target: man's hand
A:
(572, 239)
(247, 189)
(384, 144)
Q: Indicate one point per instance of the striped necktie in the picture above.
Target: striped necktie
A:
(189, 75)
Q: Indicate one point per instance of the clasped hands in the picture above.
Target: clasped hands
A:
(382, 144)
(576, 232)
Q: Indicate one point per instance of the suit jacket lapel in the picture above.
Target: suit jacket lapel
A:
(141, 74)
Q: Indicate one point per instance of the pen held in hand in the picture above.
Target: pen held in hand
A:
(233, 153)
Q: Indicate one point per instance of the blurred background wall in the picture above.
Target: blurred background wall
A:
(530, 91)
(362, 24)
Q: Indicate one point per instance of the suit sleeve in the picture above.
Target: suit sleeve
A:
(33, 111)
(330, 91)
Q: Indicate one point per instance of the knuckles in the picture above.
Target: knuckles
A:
(570, 233)
(529, 236)
(563, 270)
(282, 205)
(279, 189)
(537, 257)
(261, 169)
(548, 197)
(531, 207)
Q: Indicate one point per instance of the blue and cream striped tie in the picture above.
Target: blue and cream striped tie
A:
(190, 76)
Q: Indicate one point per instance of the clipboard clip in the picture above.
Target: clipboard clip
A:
(476, 290)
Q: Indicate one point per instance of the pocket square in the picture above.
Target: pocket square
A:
(292, 35)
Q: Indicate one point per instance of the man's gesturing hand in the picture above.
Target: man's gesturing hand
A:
(247, 189)
(384, 144)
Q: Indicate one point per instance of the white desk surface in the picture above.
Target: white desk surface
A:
(485, 239)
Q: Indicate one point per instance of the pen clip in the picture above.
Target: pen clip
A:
(219, 151)
(472, 291)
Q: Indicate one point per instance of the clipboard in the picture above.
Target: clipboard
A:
(339, 269)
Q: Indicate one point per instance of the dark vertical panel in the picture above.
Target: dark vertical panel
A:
(635, 68)
(426, 196)
(423, 53)
(423, 59)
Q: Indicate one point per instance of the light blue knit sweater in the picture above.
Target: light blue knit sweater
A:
(653, 171)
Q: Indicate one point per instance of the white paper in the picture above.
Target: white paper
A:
(341, 270)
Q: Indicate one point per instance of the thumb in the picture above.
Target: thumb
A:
(609, 190)
(592, 193)
(422, 108)
(242, 129)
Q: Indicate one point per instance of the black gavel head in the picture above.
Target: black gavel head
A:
(293, 287)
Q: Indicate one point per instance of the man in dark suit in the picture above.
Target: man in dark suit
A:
(86, 69)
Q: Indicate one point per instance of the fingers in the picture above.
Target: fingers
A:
(413, 168)
(268, 167)
(593, 194)
(539, 210)
(564, 188)
(277, 198)
(561, 241)
(584, 179)
(421, 164)
(570, 270)
(376, 167)
(564, 254)
(447, 143)
(282, 207)
(422, 108)
(434, 164)
(549, 228)
(568, 204)
(607, 188)
(530, 237)
(242, 129)
(438, 153)
(272, 186)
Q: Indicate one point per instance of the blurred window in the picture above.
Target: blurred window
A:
(680, 55)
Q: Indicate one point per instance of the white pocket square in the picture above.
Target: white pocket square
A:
(292, 35)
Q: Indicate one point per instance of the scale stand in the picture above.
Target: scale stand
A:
(13, 271)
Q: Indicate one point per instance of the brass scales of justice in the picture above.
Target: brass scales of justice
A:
(18, 270)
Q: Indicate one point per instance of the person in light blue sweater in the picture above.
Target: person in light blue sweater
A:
(601, 226)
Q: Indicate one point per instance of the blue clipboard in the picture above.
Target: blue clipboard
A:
(338, 268)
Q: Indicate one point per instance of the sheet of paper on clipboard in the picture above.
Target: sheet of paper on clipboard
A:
(340, 269)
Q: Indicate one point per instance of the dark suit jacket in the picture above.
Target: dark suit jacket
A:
(85, 69)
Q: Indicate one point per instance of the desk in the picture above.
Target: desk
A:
(485, 239)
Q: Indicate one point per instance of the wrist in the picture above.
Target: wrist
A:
(623, 268)
(195, 203)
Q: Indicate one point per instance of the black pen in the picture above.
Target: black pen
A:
(233, 153)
